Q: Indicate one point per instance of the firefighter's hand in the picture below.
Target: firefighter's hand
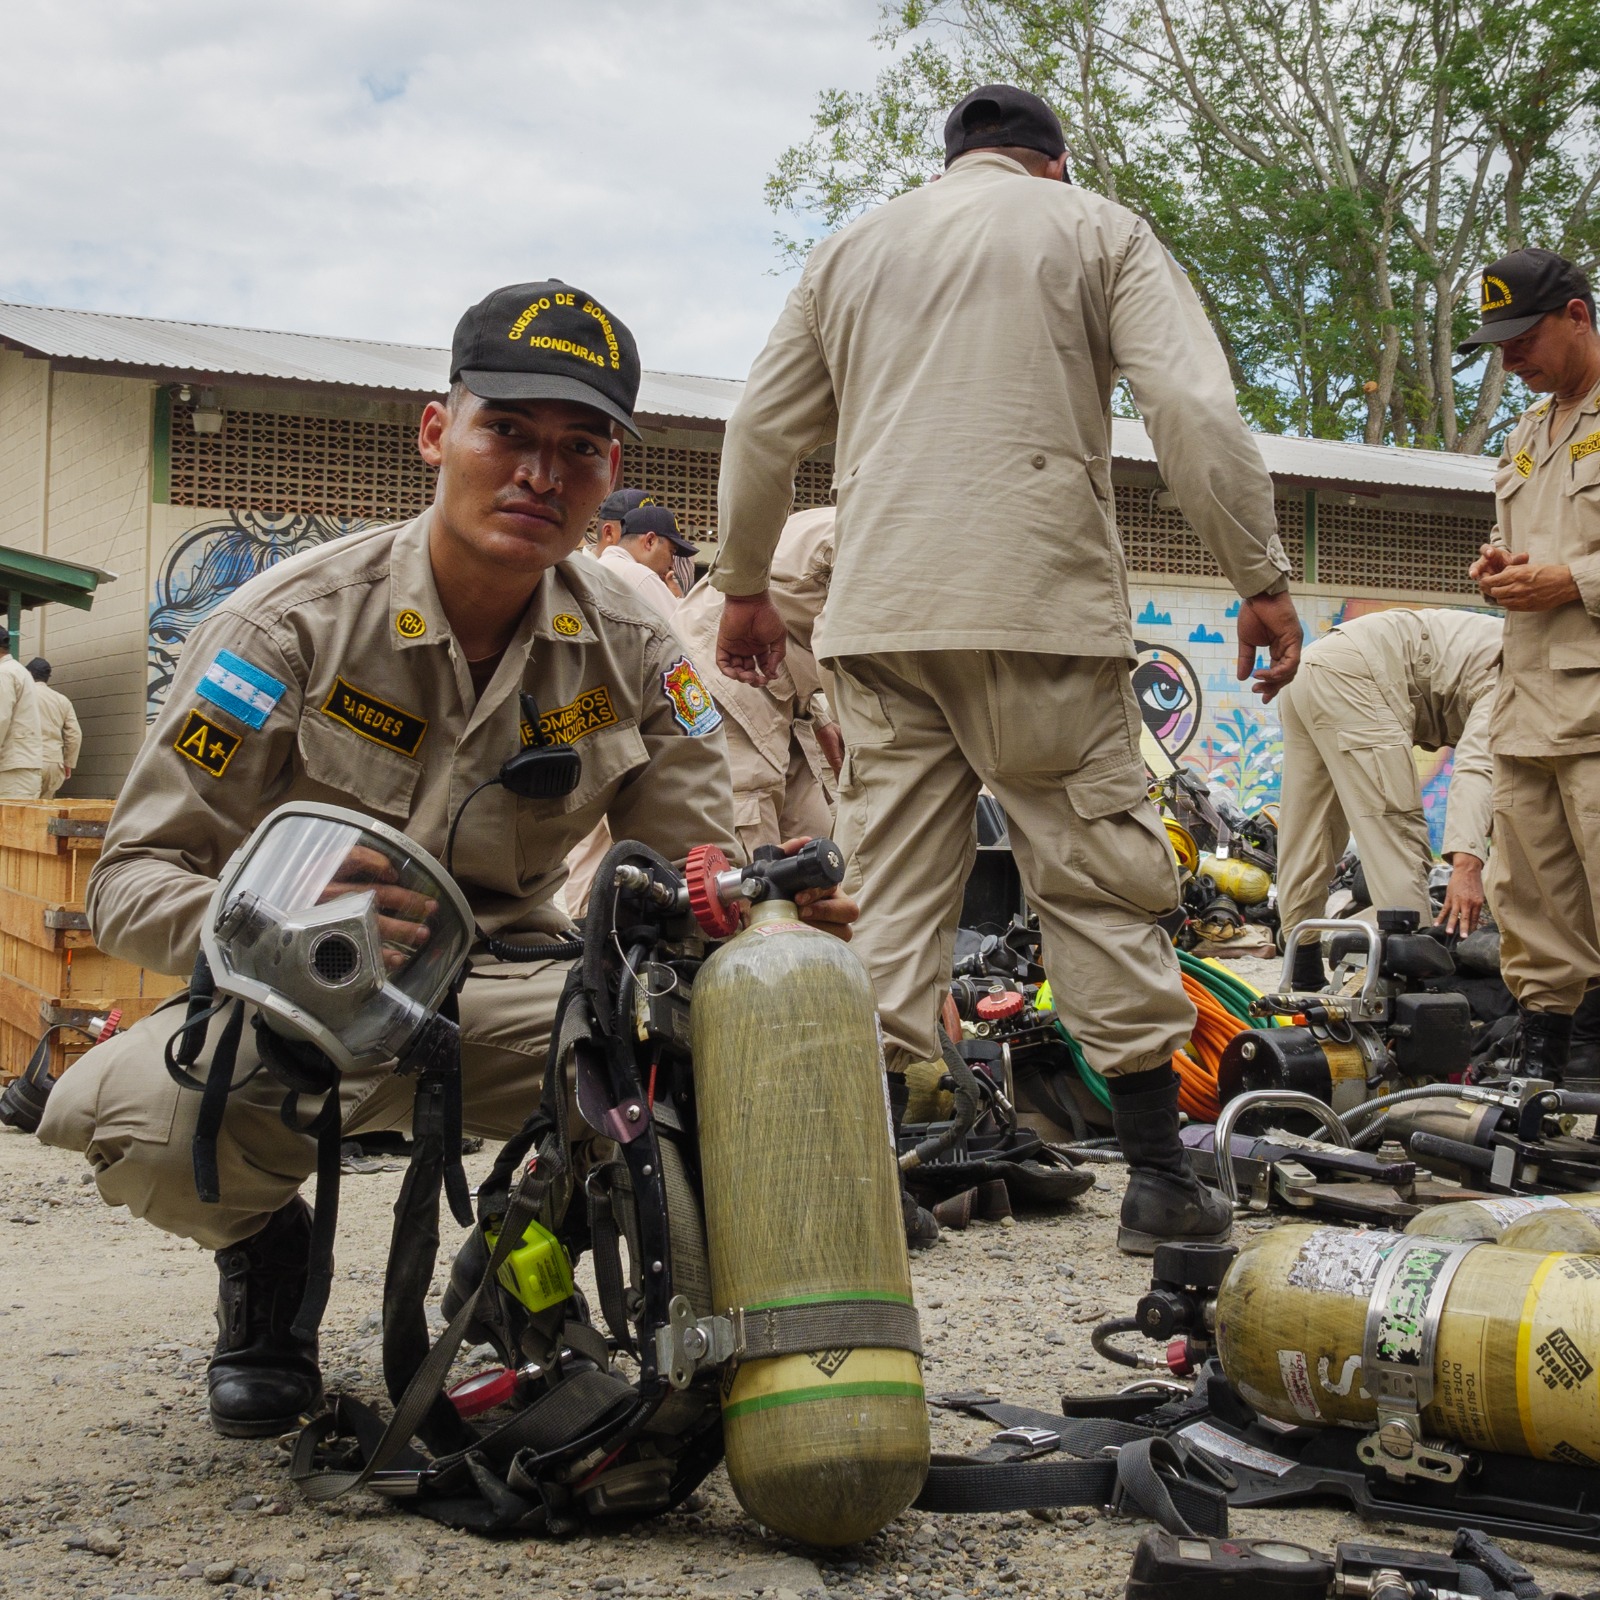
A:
(1519, 585)
(403, 914)
(831, 743)
(751, 639)
(1463, 900)
(1269, 620)
(831, 910)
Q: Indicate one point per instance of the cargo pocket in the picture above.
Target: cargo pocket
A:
(1117, 849)
(1382, 778)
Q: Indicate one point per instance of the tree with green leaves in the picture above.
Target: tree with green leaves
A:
(1332, 173)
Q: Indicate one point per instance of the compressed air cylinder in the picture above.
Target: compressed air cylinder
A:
(1502, 1343)
(803, 1209)
(1521, 1221)
(1242, 881)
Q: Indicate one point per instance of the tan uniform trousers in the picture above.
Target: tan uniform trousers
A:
(1056, 740)
(20, 783)
(51, 779)
(121, 1108)
(1544, 877)
(770, 805)
(1348, 768)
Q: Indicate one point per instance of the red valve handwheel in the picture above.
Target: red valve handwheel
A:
(997, 1007)
(700, 872)
(483, 1391)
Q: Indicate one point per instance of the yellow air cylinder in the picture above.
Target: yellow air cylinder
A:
(1505, 1340)
(803, 1219)
(1523, 1221)
(1242, 881)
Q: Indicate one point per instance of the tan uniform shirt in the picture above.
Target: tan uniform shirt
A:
(334, 677)
(21, 744)
(961, 344)
(58, 727)
(1547, 493)
(649, 586)
(802, 568)
(1438, 670)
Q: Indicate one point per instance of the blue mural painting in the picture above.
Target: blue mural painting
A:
(206, 565)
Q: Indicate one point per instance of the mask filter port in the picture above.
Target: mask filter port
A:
(335, 959)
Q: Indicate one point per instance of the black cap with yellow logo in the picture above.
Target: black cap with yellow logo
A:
(1519, 289)
(547, 341)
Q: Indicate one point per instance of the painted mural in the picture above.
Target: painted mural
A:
(205, 565)
(1203, 717)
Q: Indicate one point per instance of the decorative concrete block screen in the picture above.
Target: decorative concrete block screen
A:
(686, 480)
(1154, 540)
(1382, 549)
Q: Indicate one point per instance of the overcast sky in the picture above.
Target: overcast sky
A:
(369, 169)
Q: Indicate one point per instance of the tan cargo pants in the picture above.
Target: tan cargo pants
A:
(769, 804)
(1056, 740)
(1348, 767)
(51, 779)
(119, 1106)
(20, 783)
(1544, 877)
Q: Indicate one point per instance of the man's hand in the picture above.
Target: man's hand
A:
(1269, 620)
(831, 910)
(1492, 558)
(1519, 585)
(1463, 900)
(831, 743)
(751, 639)
(403, 914)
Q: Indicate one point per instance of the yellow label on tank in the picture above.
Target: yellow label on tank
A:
(1558, 1344)
(822, 1375)
(1345, 1061)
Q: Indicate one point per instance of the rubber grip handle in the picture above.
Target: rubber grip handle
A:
(817, 864)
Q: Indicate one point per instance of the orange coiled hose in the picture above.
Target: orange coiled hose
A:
(1196, 1064)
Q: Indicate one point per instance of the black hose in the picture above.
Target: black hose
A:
(1101, 1340)
(964, 1115)
(559, 950)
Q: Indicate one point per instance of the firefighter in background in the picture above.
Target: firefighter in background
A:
(1365, 695)
(783, 745)
(58, 728)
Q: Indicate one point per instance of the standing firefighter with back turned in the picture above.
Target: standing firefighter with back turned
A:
(960, 344)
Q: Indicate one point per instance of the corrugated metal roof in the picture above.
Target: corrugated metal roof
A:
(198, 349)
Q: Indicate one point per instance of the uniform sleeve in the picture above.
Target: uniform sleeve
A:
(10, 698)
(1469, 809)
(684, 797)
(1586, 574)
(199, 784)
(787, 411)
(71, 733)
(1164, 346)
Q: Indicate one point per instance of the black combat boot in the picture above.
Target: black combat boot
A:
(922, 1227)
(262, 1377)
(1307, 974)
(1546, 1039)
(1164, 1202)
(1583, 1054)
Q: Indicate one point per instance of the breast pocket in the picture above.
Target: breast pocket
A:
(357, 772)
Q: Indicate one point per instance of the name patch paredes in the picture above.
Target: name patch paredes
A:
(375, 719)
(567, 724)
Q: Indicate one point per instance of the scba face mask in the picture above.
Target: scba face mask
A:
(341, 931)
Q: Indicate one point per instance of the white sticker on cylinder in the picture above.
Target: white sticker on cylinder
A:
(1352, 1365)
(1514, 1207)
(1292, 1369)
(1333, 1261)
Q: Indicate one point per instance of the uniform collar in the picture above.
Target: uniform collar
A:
(984, 161)
(416, 616)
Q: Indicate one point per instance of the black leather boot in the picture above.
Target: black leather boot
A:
(1307, 973)
(262, 1377)
(1583, 1053)
(922, 1227)
(1165, 1202)
(1546, 1040)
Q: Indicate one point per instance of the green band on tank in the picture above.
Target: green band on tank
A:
(831, 1299)
(822, 1391)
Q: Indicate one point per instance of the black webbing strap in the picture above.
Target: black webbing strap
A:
(213, 1103)
(826, 1325)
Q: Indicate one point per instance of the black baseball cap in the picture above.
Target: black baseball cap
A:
(547, 341)
(1001, 114)
(620, 502)
(1519, 289)
(657, 519)
(40, 668)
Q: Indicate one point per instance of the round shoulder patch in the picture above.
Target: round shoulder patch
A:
(410, 625)
(566, 624)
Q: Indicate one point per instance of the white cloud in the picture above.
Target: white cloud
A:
(370, 167)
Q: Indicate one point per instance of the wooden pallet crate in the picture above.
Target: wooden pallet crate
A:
(51, 974)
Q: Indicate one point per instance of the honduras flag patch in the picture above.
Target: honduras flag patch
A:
(243, 691)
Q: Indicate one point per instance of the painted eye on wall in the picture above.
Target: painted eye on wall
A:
(1168, 695)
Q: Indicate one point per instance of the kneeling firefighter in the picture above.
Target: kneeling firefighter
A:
(674, 1092)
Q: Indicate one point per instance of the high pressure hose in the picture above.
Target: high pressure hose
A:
(1421, 1091)
(1101, 1340)
(964, 1115)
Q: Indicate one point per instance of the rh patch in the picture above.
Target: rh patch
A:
(204, 743)
(1523, 462)
(242, 690)
(375, 719)
(410, 625)
(696, 712)
(567, 724)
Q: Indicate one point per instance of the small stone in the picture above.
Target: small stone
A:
(191, 1569)
(102, 1542)
(605, 1585)
(246, 1502)
(295, 1572)
(1055, 1336)
(217, 1571)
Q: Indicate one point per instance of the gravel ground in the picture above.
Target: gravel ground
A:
(112, 1486)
